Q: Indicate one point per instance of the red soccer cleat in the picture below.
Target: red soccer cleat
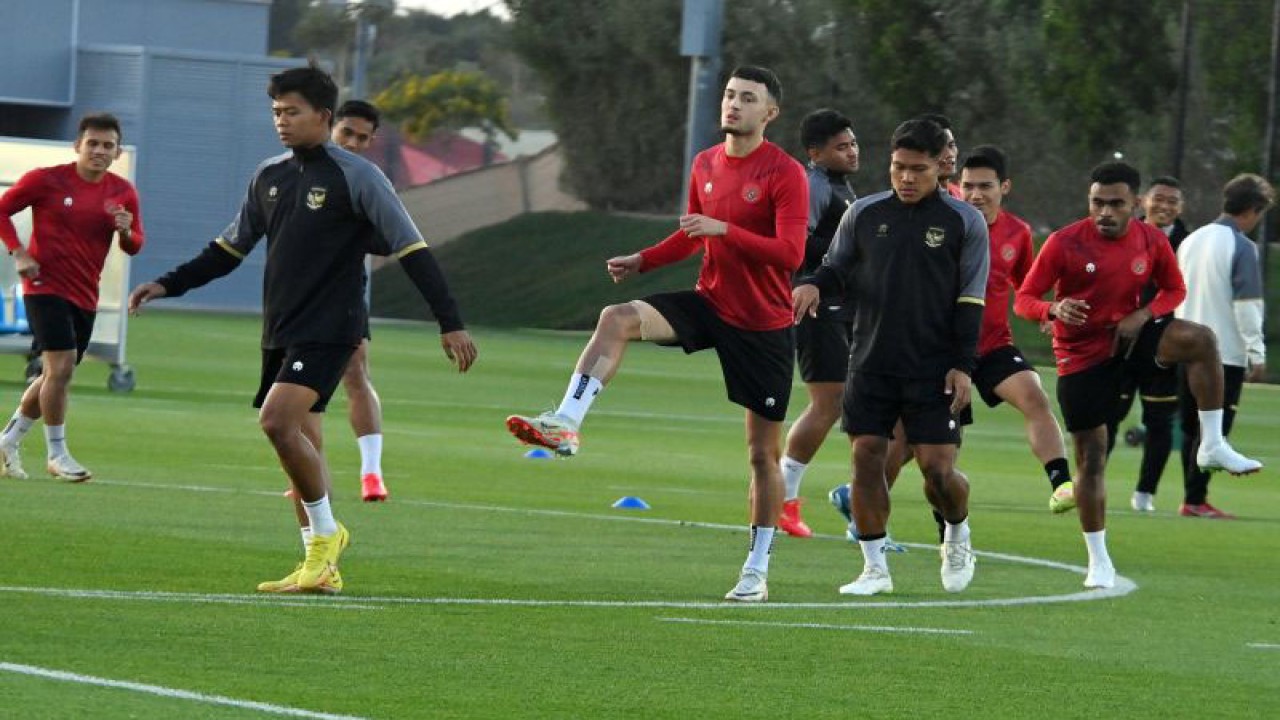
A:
(1205, 511)
(372, 489)
(790, 521)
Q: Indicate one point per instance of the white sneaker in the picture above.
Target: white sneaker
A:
(65, 467)
(11, 462)
(751, 588)
(552, 431)
(957, 565)
(1223, 457)
(1143, 502)
(874, 580)
(1100, 577)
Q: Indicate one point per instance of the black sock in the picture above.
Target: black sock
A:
(875, 536)
(1058, 471)
(942, 525)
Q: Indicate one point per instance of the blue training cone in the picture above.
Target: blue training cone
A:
(538, 454)
(631, 502)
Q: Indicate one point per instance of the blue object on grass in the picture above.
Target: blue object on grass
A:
(631, 503)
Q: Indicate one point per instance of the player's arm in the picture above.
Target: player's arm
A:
(1029, 302)
(129, 232)
(22, 195)
(1246, 294)
(829, 280)
(975, 265)
(672, 249)
(786, 247)
(820, 198)
(1171, 288)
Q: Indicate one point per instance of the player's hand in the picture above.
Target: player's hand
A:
(804, 301)
(26, 265)
(1128, 329)
(702, 226)
(620, 267)
(958, 387)
(123, 220)
(143, 294)
(1070, 311)
(1257, 373)
(1046, 327)
(459, 348)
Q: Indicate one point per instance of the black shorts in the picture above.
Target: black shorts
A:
(994, 368)
(57, 324)
(873, 403)
(314, 365)
(1089, 398)
(822, 349)
(756, 365)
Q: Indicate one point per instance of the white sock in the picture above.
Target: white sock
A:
(370, 454)
(578, 397)
(761, 546)
(55, 438)
(1210, 428)
(16, 429)
(1096, 542)
(320, 515)
(306, 538)
(873, 553)
(958, 532)
(792, 472)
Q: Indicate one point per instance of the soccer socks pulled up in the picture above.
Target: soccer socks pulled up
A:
(370, 454)
(873, 552)
(17, 428)
(1058, 471)
(1096, 542)
(792, 472)
(1210, 428)
(55, 439)
(320, 515)
(582, 391)
(306, 539)
(761, 546)
(956, 533)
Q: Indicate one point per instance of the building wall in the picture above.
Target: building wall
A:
(226, 26)
(37, 52)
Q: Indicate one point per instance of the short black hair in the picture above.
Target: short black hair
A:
(100, 121)
(820, 126)
(313, 84)
(922, 135)
(1110, 173)
(764, 76)
(938, 119)
(988, 156)
(361, 109)
(1247, 192)
(1167, 181)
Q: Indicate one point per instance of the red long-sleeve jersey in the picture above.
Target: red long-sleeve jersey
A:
(746, 273)
(72, 230)
(1011, 253)
(1107, 273)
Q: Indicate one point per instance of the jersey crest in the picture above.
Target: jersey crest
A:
(316, 197)
(934, 237)
(1008, 253)
(1139, 265)
(751, 192)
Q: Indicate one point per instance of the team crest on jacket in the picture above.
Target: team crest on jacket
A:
(1008, 253)
(315, 197)
(751, 192)
(934, 237)
(1139, 265)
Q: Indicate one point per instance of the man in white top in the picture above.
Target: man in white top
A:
(1224, 291)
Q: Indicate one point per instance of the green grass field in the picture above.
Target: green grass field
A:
(494, 586)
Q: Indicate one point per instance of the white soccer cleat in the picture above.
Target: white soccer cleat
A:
(11, 462)
(874, 580)
(1143, 502)
(65, 467)
(551, 431)
(957, 565)
(1100, 577)
(1223, 457)
(751, 588)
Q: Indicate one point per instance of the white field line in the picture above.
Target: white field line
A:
(819, 626)
(271, 600)
(1265, 646)
(168, 692)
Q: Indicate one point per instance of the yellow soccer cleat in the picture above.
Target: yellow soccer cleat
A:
(1063, 498)
(332, 584)
(321, 563)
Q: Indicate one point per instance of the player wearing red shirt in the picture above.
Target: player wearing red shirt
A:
(78, 209)
(1102, 333)
(1003, 374)
(748, 210)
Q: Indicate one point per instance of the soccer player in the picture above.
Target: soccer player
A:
(1162, 208)
(950, 155)
(748, 207)
(79, 209)
(321, 208)
(356, 126)
(1101, 332)
(822, 342)
(913, 352)
(1002, 374)
(1224, 291)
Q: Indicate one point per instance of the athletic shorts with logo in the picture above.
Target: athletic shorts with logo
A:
(318, 366)
(874, 402)
(757, 365)
(57, 324)
(1088, 398)
(822, 349)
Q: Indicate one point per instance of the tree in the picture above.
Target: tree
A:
(446, 99)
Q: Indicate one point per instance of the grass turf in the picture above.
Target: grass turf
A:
(186, 501)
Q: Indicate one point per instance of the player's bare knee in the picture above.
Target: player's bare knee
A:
(278, 428)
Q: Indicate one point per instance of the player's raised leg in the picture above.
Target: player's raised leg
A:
(1024, 392)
